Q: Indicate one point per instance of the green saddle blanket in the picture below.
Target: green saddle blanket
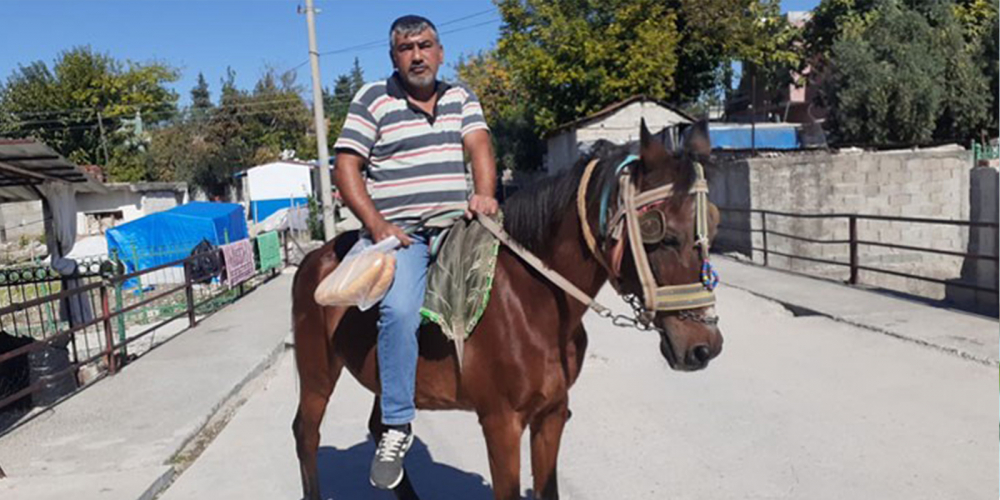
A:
(460, 279)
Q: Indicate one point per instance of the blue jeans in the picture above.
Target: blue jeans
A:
(398, 325)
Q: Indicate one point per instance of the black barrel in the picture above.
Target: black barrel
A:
(48, 366)
(14, 372)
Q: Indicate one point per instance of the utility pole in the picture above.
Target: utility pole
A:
(326, 194)
(104, 143)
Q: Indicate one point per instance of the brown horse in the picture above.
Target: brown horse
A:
(529, 347)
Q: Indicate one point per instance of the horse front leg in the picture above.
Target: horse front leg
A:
(503, 444)
(546, 433)
(318, 369)
(315, 392)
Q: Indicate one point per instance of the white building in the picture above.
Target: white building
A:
(618, 123)
(273, 186)
(125, 202)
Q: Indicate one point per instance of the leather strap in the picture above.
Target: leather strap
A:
(533, 261)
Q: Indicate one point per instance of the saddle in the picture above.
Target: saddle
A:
(459, 280)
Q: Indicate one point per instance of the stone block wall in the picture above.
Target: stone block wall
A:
(924, 183)
(21, 220)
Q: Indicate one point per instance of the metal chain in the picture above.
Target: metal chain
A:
(639, 320)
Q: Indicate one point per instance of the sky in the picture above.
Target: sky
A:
(248, 35)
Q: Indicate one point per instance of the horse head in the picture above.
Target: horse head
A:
(675, 282)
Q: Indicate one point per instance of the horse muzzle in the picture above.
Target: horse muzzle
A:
(695, 356)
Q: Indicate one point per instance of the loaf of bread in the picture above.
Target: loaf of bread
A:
(384, 280)
(352, 282)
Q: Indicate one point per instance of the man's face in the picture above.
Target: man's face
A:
(417, 58)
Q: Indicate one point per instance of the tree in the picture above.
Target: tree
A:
(716, 32)
(357, 76)
(66, 105)
(247, 128)
(201, 99)
(901, 78)
(965, 85)
(991, 58)
(516, 144)
(573, 57)
(336, 103)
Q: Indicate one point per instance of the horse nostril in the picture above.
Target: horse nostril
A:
(702, 353)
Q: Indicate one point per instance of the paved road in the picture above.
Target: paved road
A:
(114, 440)
(795, 408)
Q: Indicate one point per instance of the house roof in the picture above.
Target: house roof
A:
(27, 162)
(611, 109)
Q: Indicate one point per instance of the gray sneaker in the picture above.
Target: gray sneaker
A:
(387, 466)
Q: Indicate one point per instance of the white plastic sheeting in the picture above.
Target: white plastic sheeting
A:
(279, 181)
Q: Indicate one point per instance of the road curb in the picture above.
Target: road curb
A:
(214, 423)
(792, 306)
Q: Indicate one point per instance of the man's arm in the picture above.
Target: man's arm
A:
(350, 183)
(484, 172)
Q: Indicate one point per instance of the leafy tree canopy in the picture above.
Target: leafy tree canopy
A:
(66, 104)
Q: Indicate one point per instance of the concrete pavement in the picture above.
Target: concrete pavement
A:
(964, 334)
(796, 407)
(115, 439)
(803, 407)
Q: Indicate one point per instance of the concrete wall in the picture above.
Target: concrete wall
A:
(21, 219)
(926, 183)
(984, 195)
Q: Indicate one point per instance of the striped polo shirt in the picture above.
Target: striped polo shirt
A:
(415, 160)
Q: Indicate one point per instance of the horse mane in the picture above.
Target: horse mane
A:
(531, 214)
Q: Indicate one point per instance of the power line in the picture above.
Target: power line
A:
(93, 116)
(374, 44)
(383, 43)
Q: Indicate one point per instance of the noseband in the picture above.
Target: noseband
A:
(636, 214)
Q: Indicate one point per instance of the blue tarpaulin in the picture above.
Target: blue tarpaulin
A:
(171, 235)
(262, 209)
(766, 136)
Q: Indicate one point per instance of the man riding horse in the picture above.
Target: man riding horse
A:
(412, 131)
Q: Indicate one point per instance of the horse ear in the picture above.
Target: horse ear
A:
(651, 151)
(697, 141)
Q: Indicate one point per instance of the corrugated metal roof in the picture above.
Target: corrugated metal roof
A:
(27, 162)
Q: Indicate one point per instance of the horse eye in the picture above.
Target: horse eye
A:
(671, 241)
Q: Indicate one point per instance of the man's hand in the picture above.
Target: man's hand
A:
(481, 204)
(385, 229)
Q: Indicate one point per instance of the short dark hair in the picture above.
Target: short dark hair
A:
(410, 25)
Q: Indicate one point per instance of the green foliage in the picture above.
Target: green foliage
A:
(211, 144)
(901, 78)
(570, 58)
(990, 60)
(201, 98)
(65, 105)
(516, 145)
(966, 102)
(573, 57)
(315, 219)
(716, 32)
(336, 103)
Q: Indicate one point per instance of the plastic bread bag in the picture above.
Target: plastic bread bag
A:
(363, 278)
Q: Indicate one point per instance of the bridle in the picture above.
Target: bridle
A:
(635, 216)
(690, 301)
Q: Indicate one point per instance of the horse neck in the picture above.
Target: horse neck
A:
(570, 257)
